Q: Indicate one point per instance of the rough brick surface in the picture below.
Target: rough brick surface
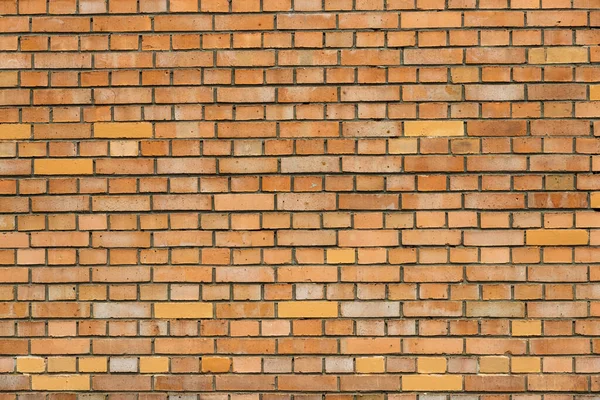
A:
(299, 199)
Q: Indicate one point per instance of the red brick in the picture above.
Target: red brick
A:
(305, 201)
(554, 18)
(10, 383)
(238, 202)
(121, 24)
(561, 383)
(305, 21)
(491, 383)
(425, 19)
(433, 56)
(121, 383)
(174, 383)
(496, 128)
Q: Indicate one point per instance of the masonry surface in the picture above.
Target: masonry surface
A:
(299, 199)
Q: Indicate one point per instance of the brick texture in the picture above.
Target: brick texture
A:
(299, 199)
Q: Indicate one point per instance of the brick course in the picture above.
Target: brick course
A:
(308, 199)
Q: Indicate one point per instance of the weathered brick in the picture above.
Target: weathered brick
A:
(13, 382)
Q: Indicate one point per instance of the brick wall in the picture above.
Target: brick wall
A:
(317, 199)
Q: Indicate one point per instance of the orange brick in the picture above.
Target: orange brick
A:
(216, 364)
(93, 364)
(118, 130)
(557, 237)
(31, 364)
(63, 166)
(370, 365)
(15, 131)
(526, 328)
(594, 92)
(154, 364)
(595, 200)
(308, 309)
(60, 382)
(525, 365)
(493, 364)
(431, 365)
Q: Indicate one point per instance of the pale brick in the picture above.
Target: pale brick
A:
(183, 310)
(122, 130)
(432, 383)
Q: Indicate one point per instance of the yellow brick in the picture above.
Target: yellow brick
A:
(63, 166)
(341, 256)
(60, 382)
(216, 364)
(556, 237)
(434, 128)
(154, 364)
(595, 198)
(525, 364)
(119, 130)
(493, 364)
(62, 364)
(370, 365)
(432, 383)
(31, 364)
(93, 364)
(594, 93)
(183, 310)
(308, 309)
(537, 56)
(15, 131)
(431, 365)
(526, 328)
(558, 55)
